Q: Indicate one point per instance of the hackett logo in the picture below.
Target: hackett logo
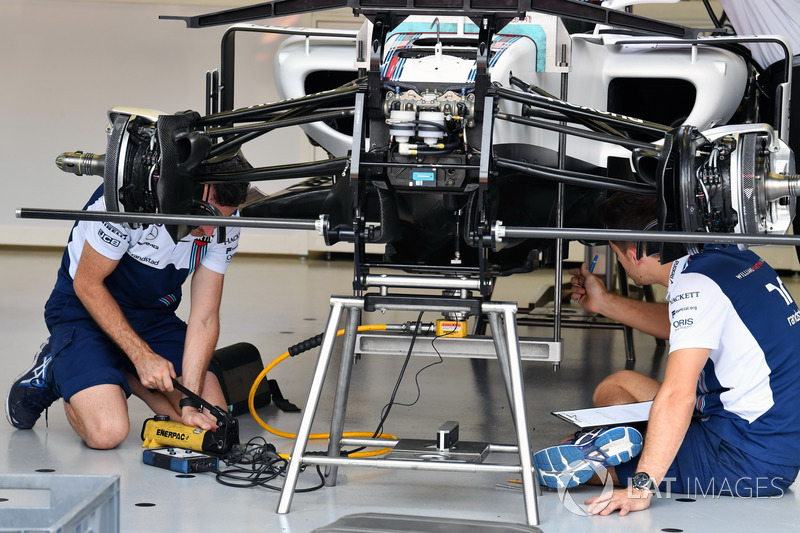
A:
(684, 296)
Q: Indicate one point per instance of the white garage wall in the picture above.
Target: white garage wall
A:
(65, 63)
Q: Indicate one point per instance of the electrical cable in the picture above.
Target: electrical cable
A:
(416, 377)
(256, 464)
(421, 370)
(388, 407)
(315, 341)
(279, 433)
(385, 411)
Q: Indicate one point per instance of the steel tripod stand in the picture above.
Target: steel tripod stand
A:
(502, 318)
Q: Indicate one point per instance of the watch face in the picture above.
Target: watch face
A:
(641, 480)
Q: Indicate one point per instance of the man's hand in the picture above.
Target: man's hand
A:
(194, 418)
(624, 500)
(587, 289)
(155, 372)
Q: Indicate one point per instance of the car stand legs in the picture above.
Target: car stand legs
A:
(502, 317)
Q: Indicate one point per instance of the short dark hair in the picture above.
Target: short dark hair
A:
(628, 211)
(229, 193)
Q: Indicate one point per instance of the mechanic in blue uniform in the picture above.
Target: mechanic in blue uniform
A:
(113, 328)
(724, 421)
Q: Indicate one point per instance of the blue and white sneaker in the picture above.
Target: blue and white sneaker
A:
(32, 392)
(575, 461)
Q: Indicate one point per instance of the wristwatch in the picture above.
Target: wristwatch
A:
(643, 481)
(189, 402)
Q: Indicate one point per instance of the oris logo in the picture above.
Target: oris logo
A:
(683, 323)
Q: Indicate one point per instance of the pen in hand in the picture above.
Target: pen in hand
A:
(594, 262)
(591, 269)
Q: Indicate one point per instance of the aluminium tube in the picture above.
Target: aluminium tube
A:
(157, 218)
(502, 232)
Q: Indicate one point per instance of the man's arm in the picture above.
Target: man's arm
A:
(202, 334)
(669, 419)
(154, 371)
(591, 293)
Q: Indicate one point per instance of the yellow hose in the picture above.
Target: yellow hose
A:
(251, 404)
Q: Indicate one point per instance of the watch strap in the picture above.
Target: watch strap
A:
(189, 402)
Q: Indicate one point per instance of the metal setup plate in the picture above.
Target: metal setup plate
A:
(426, 450)
(467, 347)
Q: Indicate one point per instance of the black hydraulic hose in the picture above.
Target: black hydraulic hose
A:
(442, 127)
(304, 346)
(445, 149)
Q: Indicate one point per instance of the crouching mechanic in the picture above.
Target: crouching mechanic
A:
(113, 327)
(724, 421)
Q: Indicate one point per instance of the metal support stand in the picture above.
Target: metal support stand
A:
(502, 317)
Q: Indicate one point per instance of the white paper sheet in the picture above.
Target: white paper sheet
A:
(613, 415)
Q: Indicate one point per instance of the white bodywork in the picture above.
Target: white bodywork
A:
(592, 63)
(429, 64)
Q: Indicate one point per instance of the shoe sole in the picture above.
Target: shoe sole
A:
(565, 466)
(562, 467)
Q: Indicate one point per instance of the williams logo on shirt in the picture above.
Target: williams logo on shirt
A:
(744, 273)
